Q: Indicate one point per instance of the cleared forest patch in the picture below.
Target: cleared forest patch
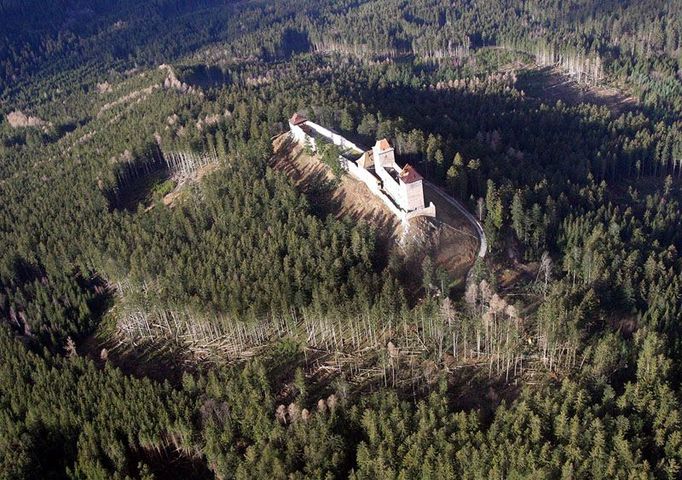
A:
(156, 177)
(170, 198)
(551, 84)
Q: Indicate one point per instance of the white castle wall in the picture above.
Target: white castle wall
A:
(362, 175)
(371, 181)
(392, 187)
(297, 132)
(429, 211)
(384, 158)
(335, 138)
(301, 137)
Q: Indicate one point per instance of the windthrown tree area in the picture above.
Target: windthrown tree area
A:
(240, 330)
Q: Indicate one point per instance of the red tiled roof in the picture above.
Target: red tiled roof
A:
(296, 119)
(383, 144)
(409, 175)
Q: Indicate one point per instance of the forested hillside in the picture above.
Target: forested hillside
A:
(173, 306)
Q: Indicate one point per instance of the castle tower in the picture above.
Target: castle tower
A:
(411, 188)
(383, 154)
(297, 119)
(296, 123)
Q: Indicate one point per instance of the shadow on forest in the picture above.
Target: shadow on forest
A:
(137, 182)
(144, 360)
(204, 76)
(172, 463)
(556, 145)
(38, 286)
(292, 42)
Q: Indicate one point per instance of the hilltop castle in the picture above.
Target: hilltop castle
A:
(401, 189)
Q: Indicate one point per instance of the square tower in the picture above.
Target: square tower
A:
(383, 154)
(412, 188)
(296, 126)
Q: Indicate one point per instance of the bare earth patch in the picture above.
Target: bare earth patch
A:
(457, 244)
(346, 197)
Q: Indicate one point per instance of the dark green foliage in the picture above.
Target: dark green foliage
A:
(252, 228)
(590, 195)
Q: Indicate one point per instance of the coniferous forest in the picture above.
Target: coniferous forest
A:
(174, 305)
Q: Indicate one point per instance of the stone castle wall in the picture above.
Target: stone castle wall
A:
(405, 195)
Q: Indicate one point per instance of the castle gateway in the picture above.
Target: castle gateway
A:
(400, 188)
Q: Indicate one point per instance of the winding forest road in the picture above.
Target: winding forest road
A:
(476, 224)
